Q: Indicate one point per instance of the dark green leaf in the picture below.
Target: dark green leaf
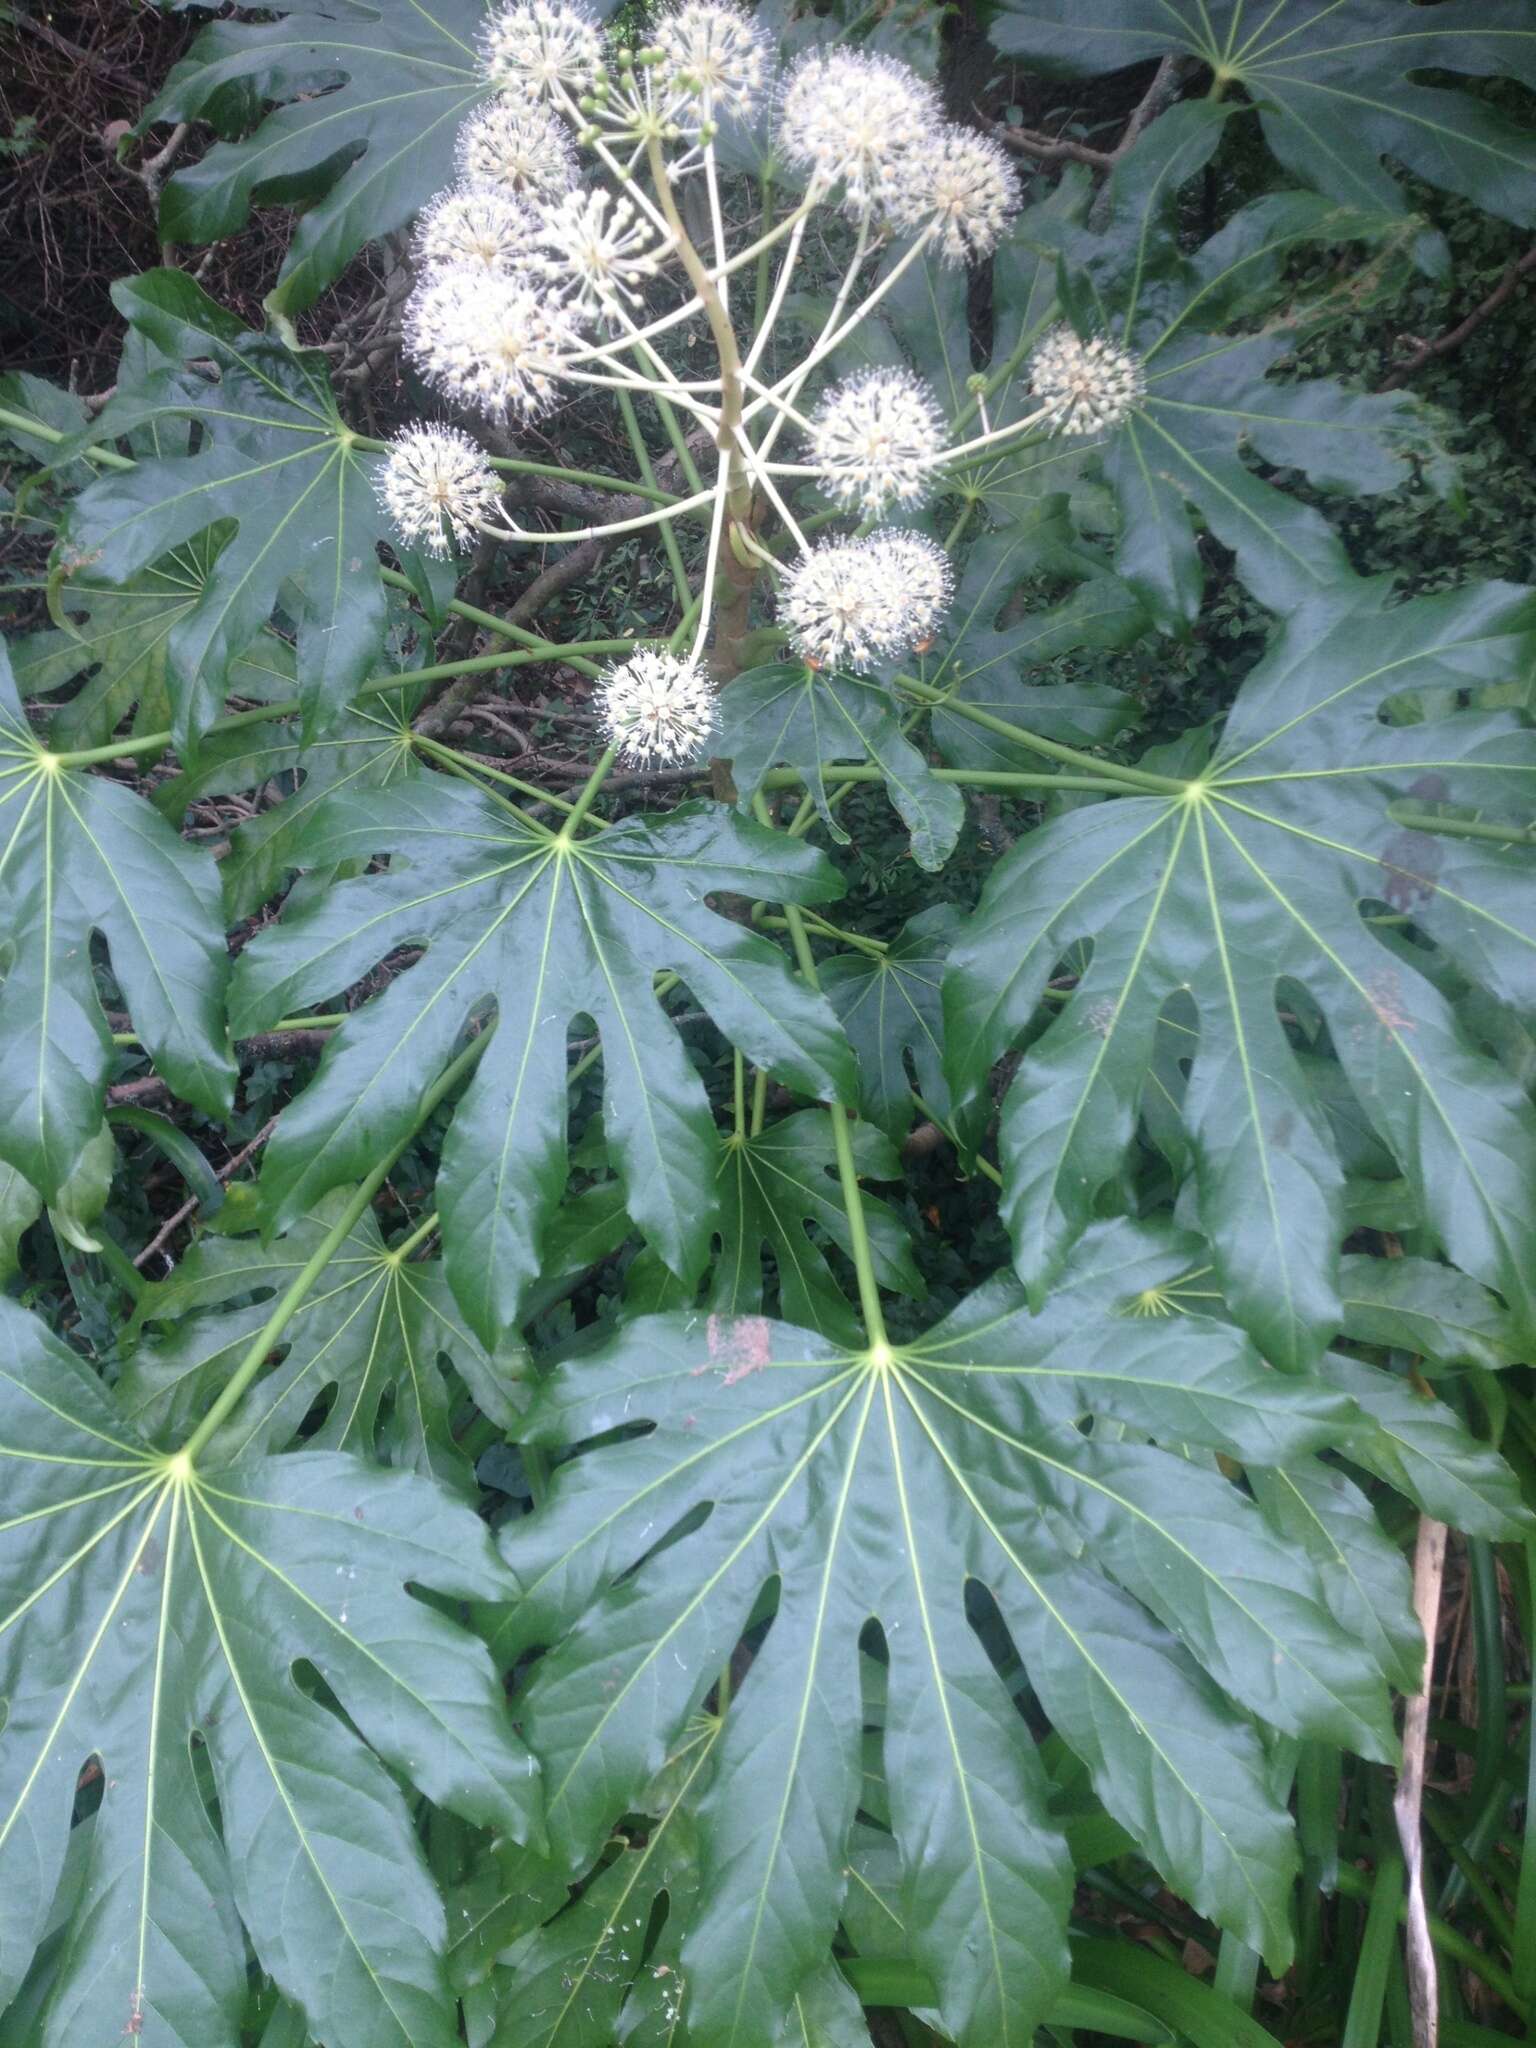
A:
(876, 1483)
(889, 1004)
(80, 854)
(370, 1337)
(547, 929)
(1334, 88)
(146, 1601)
(1250, 879)
(369, 100)
(279, 464)
(808, 720)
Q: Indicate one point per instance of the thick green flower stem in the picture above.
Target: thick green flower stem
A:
(842, 1143)
(331, 1021)
(588, 796)
(402, 1251)
(825, 929)
(479, 664)
(1073, 757)
(847, 1172)
(588, 479)
(25, 424)
(642, 457)
(294, 1296)
(1464, 828)
(967, 778)
(470, 764)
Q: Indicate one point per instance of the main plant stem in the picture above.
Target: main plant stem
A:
(732, 618)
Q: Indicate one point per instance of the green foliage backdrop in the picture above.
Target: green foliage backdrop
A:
(737, 1400)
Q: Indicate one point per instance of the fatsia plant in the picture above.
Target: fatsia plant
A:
(551, 1555)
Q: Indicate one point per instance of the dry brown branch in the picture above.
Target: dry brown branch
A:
(231, 1167)
(1453, 337)
(1064, 148)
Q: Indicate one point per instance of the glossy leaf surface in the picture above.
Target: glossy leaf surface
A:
(1260, 874)
(153, 1612)
(546, 929)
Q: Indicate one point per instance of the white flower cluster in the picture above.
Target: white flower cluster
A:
(1086, 387)
(872, 128)
(657, 709)
(528, 276)
(875, 439)
(863, 602)
(435, 485)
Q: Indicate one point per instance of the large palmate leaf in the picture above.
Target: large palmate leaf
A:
(545, 929)
(809, 719)
(1272, 870)
(155, 1615)
(891, 1008)
(370, 99)
(278, 465)
(116, 640)
(1210, 397)
(82, 855)
(997, 643)
(1335, 86)
(1151, 1603)
(368, 747)
(371, 1335)
(778, 1196)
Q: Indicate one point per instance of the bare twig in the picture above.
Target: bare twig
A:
(151, 173)
(172, 1224)
(1064, 148)
(1423, 1985)
(1453, 337)
(1048, 149)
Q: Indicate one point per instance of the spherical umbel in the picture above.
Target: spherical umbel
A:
(713, 54)
(595, 249)
(520, 149)
(963, 185)
(658, 709)
(474, 227)
(538, 47)
(1087, 387)
(490, 342)
(874, 439)
(850, 119)
(912, 583)
(436, 485)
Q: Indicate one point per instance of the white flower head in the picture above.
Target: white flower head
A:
(435, 485)
(1088, 386)
(830, 609)
(491, 342)
(911, 585)
(851, 119)
(476, 226)
(536, 47)
(962, 183)
(658, 709)
(596, 249)
(713, 54)
(519, 149)
(874, 438)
